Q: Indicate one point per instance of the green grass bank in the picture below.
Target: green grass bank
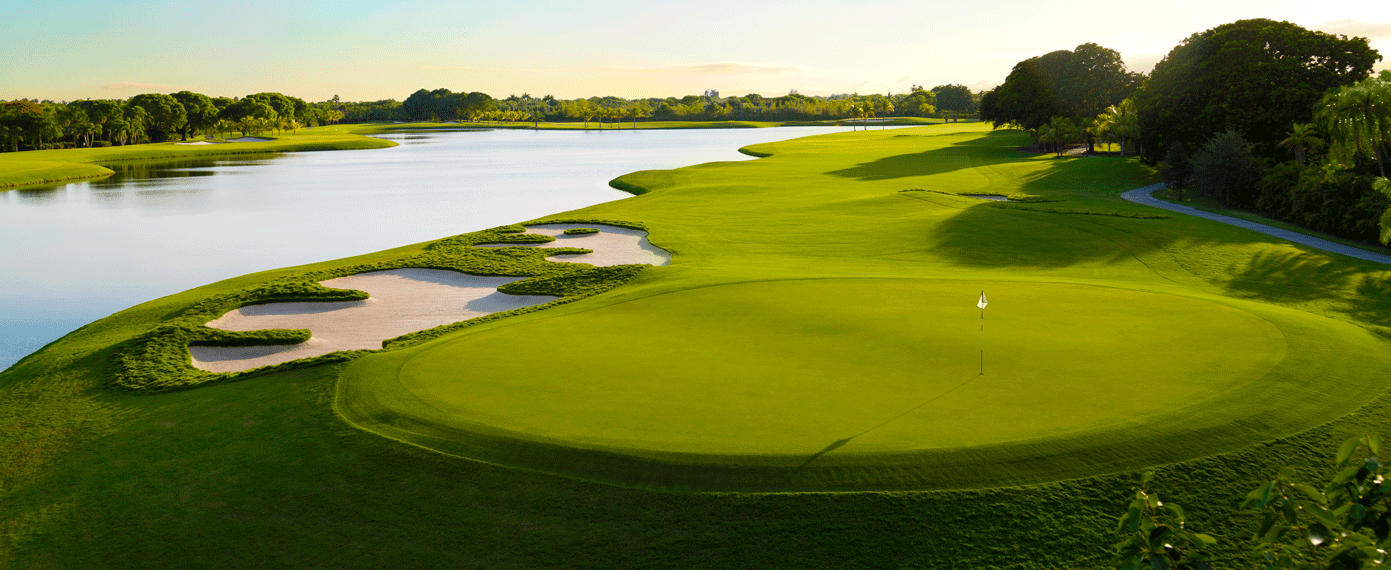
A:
(50, 166)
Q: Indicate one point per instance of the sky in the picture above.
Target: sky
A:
(361, 51)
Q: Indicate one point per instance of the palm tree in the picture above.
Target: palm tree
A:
(1301, 139)
(91, 130)
(637, 111)
(1059, 131)
(1356, 113)
(888, 110)
(1103, 127)
(1124, 122)
(116, 127)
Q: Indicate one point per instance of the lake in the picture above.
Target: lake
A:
(74, 253)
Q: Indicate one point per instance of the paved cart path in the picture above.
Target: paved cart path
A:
(1142, 196)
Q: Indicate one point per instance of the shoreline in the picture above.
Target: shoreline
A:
(19, 170)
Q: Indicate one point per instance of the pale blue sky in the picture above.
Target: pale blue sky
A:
(375, 50)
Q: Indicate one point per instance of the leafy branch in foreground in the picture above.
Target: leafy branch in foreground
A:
(1344, 526)
(1153, 535)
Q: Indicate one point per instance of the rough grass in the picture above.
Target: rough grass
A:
(263, 473)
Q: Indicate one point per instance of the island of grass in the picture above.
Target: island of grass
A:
(581, 231)
(815, 331)
(49, 166)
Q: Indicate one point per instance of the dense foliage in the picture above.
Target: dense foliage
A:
(152, 117)
(1076, 85)
(1257, 77)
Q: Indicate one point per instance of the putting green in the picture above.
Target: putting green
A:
(792, 366)
(865, 384)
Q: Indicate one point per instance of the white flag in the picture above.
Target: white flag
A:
(982, 303)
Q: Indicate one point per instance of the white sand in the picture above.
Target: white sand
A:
(193, 143)
(250, 139)
(402, 301)
(612, 245)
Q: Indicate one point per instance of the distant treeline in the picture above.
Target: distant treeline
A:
(157, 117)
(1256, 114)
(152, 117)
(444, 105)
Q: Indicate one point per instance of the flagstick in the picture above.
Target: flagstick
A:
(982, 342)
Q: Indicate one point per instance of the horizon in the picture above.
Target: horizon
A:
(633, 50)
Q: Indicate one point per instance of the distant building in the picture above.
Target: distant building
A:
(711, 93)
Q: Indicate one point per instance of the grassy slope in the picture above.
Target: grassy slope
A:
(261, 472)
(46, 166)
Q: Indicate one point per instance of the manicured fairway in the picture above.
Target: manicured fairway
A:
(817, 330)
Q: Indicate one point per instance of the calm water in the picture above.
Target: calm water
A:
(78, 252)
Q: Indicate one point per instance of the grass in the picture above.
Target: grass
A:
(262, 472)
(50, 166)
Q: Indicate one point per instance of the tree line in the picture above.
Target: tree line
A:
(152, 117)
(1257, 114)
(156, 117)
(444, 105)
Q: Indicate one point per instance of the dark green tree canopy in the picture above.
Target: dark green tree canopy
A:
(1257, 77)
(955, 98)
(284, 106)
(442, 104)
(199, 112)
(164, 114)
(1076, 84)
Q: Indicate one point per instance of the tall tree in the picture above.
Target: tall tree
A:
(1255, 76)
(283, 106)
(1075, 84)
(101, 112)
(1301, 139)
(1358, 117)
(27, 122)
(199, 112)
(164, 114)
(954, 98)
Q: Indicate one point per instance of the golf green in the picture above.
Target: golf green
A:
(792, 366)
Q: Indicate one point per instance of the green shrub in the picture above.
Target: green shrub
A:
(1226, 170)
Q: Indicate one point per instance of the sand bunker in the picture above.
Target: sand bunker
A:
(194, 143)
(402, 301)
(612, 245)
(250, 139)
(407, 300)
